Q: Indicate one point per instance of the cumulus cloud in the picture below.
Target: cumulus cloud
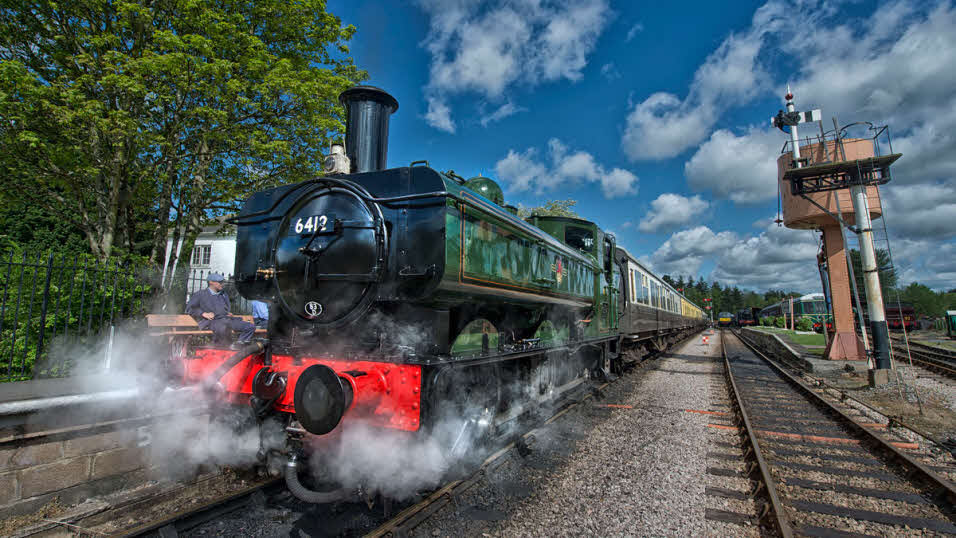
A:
(878, 68)
(777, 257)
(486, 47)
(439, 115)
(740, 168)
(925, 261)
(685, 251)
(636, 29)
(670, 210)
(523, 171)
(664, 125)
(610, 72)
(500, 113)
(925, 211)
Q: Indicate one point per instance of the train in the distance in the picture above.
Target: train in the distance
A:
(402, 297)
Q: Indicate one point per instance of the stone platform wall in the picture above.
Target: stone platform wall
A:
(72, 453)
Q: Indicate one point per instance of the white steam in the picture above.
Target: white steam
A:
(188, 431)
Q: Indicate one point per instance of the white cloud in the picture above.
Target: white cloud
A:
(778, 258)
(685, 251)
(486, 47)
(521, 171)
(925, 261)
(741, 168)
(439, 115)
(500, 113)
(663, 125)
(610, 72)
(894, 67)
(919, 211)
(636, 29)
(670, 210)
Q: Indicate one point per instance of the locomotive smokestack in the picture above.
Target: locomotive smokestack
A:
(367, 110)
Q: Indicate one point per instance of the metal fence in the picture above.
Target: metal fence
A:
(58, 311)
(49, 299)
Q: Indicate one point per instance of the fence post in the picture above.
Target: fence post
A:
(43, 307)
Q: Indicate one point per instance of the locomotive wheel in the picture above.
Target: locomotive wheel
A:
(464, 405)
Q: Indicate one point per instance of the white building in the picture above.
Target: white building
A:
(213, 252)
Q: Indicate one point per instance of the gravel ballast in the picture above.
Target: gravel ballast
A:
(637, 471)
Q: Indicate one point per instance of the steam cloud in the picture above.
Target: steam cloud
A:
(188, 434)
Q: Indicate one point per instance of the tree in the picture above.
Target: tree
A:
(885, 270)
(925, 301)
(112, 108)
(551, 208)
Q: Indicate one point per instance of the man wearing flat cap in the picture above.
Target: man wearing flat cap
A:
(211, 310)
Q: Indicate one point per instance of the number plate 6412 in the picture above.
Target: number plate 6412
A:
(312, 224)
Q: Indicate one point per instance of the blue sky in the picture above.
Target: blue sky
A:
(655, 116)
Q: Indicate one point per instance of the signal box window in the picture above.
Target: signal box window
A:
(201, 255)
(579, 238)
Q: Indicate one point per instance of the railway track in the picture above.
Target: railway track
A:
(409, 516)
(820, 471)
(936, 360)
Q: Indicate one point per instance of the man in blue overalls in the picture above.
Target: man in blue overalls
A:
(211, 310)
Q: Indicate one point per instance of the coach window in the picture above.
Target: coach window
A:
(579, 238)
(631, 278)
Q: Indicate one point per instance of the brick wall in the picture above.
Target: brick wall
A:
(72, 465)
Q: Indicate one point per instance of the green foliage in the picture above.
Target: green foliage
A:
(551, 208)
(925, 301)
(79, 294)
(780, 322)
(766, 322)
(888, 276)
(112, 109)
(805, 324)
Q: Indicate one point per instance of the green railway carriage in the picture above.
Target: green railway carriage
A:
(812, 306)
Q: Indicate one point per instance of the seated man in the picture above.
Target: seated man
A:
(260, 314)
(210, 308)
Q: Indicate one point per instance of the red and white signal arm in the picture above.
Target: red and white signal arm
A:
(707, 307)
(706, 299)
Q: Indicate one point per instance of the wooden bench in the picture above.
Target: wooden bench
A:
(179, 330)
(180, 325)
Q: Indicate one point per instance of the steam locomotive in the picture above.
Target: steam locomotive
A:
(398, 296)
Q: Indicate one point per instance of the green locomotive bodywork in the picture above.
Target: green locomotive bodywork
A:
(492, 254)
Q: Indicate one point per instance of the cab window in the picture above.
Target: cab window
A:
(579, 238)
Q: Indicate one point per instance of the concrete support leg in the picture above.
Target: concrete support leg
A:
(846, 345)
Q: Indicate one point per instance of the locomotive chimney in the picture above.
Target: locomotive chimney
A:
(367, 110)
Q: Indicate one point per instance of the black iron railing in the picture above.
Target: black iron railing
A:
(59, 311)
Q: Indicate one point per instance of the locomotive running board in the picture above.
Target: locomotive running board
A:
(520, 410)
(474, 360)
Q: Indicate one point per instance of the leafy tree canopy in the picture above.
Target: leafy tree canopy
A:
(111, 109)
(551, 208)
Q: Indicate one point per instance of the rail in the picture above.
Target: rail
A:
(773, 508)
(932, 484)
